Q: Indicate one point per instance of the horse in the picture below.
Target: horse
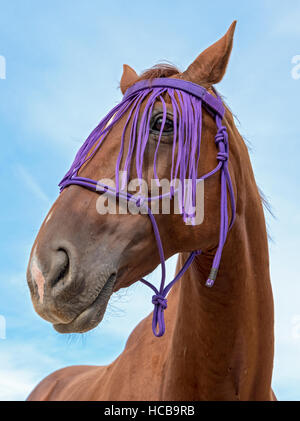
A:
(219, 341)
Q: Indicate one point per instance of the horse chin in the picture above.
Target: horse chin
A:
(92, 315)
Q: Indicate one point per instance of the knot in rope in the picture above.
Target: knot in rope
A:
(158, 321)
(222, 156)
(159, 300)
(221, 135)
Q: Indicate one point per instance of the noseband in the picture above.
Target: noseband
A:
(191, 98)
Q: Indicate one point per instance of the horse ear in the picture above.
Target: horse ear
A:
(210, 66)
(129, 77)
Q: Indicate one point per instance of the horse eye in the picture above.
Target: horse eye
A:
(157, 124)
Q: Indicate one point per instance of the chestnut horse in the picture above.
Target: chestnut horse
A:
(219, 341)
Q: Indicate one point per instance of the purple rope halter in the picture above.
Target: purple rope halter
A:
(187, 135)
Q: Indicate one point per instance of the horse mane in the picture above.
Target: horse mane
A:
(159, 70)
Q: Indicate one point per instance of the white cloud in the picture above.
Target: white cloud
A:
(32, 184)
(16, 382)
(288, 24)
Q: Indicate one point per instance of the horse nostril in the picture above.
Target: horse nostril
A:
(62, 264)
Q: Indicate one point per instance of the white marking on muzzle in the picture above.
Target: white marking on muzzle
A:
(37, 276)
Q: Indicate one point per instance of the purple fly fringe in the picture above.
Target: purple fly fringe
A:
(187, 120)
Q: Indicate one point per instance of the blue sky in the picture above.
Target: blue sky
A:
(63, 66)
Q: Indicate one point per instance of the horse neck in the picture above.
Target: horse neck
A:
(222, 340)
